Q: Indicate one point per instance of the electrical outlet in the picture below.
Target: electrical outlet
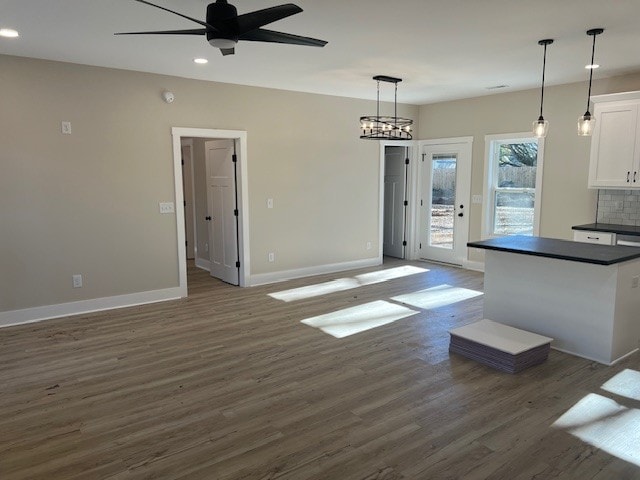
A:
(272, 257)
(167, 207)
(77, 281)
(368, 245)
(634, 281)
(206, 247)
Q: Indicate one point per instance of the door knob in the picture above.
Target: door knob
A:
(208, 218)
(461, 214)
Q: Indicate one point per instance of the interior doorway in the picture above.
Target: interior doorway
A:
(396, 173)
(220, 203)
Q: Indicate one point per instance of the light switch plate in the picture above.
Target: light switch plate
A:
(66, 128)
(167, 207)
(476, 199)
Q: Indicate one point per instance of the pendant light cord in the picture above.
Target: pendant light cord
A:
(395, 104)
(378, 102)
(544, 66)
(593, 52)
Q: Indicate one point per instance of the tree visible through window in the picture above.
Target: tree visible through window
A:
(512, 180)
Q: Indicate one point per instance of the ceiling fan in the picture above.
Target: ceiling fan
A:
(224, 27)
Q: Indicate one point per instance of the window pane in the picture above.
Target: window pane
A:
(517, 165)
(513, 212)
(443, 192)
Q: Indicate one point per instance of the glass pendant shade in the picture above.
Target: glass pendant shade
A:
(540, 128)
(586, 124)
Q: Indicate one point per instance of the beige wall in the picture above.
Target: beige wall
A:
(88, 202)
(566, 201)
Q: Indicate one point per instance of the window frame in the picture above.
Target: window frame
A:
(492, 143)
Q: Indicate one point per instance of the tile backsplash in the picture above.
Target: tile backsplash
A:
(621, 207)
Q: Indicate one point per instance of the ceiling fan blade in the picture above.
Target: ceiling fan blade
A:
(196, 31)
(263, 35)
(253, 20)
(227, 51)
(204, 24)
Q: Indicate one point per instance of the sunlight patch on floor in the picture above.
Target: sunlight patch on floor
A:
(350, 321)
(342, 284)
(625, 384)
(436, 297)
(605, 424)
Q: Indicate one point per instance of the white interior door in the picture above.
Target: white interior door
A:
(444, 205)
(394, 197)
(221, 201)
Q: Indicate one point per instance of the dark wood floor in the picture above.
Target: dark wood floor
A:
(228, 384)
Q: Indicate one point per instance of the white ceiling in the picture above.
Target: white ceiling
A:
(443, 49)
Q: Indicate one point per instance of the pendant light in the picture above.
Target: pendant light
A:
(381, 127)
(541, 126)
(586, 122)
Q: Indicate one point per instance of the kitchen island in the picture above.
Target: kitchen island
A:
(585, 296)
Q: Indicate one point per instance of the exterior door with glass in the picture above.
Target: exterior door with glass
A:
(444, 203)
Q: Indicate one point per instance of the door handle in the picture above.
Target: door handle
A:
(461, 214)
(207, 218)
(634, 176)
(628, 173)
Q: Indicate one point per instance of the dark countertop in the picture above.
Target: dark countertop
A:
(560, 249)
(609, 227)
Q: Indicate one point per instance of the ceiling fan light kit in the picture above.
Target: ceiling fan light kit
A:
(383, 127)
(224, 28)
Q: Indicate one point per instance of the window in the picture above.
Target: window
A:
(513, 185)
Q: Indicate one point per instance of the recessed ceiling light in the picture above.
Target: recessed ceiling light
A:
(9, 33)
(200, 61)
(590, 67)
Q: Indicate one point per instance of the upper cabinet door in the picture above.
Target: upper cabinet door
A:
(614, 159)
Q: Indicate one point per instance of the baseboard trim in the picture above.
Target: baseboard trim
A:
(203, 264)
(475, 266)
(275, 277)
(37, 314)
(593, 359)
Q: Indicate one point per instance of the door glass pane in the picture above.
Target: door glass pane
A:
(514, 212)
(443, 193)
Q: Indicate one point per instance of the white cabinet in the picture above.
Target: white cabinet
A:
(602, 238)
(615, 145)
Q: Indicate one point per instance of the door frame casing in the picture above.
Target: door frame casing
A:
(240, 138)
(467, 147)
